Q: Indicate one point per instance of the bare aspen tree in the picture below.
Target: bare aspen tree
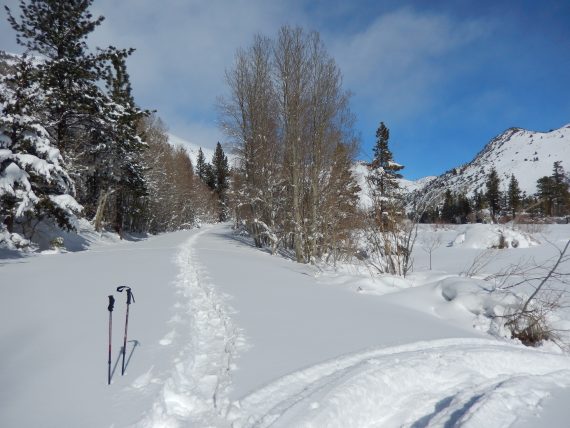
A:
(286, 114)
(292, 79)
(326, 103)
(249, 119)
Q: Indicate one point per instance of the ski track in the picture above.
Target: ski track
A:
(194, 393)
(441, 383)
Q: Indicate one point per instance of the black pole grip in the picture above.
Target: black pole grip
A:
(111, 304)
(130, 295)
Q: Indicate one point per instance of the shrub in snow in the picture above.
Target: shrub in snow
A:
(33, 181)
(57, 243)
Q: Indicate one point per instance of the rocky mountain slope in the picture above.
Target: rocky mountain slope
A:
(529, 155)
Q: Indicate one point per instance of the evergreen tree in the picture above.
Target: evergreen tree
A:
(463, 208)
(221, 170)
(210, 176)
(562, 195)
(514, 196)
(448, 209)
(384, 171)
(493, 194)
(546, 192)
(95, 131)
(119, 166)
(384, 168)
(478, 204)
(201, 166)
(558, 174)
(220, 177)
(33, 181)
(57, 30)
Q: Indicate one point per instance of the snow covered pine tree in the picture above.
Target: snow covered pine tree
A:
(34, 184)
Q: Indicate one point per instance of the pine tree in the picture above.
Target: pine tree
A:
(57, 30)
(385, 170)
(463, 207)
(201, 168)
(221, 170)
(384, 175)
(562, 195)
(33, 181)
(546, 193)
(514, 196)
(119, 172)
(210, 176)
(95, 131)
(220, 177)
(448, 209)
(493, 194)
(478, 204)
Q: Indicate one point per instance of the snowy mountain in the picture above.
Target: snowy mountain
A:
(193, 148)
(529, 155)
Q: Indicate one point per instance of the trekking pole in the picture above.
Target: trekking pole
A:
(130, 297)
(110, 309)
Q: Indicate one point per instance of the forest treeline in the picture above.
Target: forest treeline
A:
(505, 201)
(74, 143)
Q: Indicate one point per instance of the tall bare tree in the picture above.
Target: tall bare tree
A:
(248, 118)
(286, 114)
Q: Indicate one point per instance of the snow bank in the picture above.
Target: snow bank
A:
(482, 236)
(453, 382)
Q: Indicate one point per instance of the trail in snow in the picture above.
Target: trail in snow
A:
(196, 391)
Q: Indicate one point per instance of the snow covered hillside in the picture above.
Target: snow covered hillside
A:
(529, 155)
(193, 148)
(222, 334)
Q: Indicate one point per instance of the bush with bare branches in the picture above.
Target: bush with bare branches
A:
(531, 320)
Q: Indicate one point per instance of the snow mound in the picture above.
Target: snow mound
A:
(481, 236)
(452, 382)
(475, 296)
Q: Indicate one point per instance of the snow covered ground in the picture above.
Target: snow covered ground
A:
(223, 334)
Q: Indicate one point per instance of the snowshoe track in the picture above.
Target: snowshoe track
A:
(195, 393)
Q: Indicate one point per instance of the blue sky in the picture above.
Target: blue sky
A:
(445, 76)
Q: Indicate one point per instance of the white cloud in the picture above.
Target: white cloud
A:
(396, 63)
(183, 48)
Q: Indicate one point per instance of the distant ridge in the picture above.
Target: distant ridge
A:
(529, 155)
